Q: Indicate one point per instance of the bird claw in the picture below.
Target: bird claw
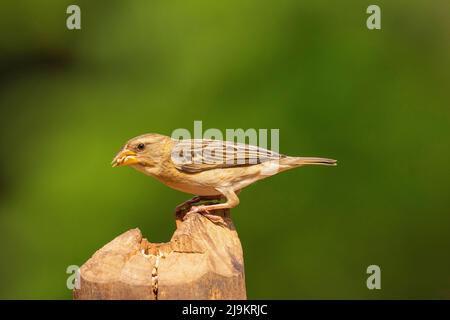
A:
(183, 210)
(203, 210)
(199, 209)
(185, 205)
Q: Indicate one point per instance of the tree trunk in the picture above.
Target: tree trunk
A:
(203, 260)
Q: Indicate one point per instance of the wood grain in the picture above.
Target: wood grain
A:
(203, 260)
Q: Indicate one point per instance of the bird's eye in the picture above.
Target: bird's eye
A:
(140, 146)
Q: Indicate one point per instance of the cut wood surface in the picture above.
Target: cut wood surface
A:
(203, 260)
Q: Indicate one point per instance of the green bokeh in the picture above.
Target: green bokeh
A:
(378, 101)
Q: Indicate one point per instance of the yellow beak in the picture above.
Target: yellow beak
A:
(125, 158)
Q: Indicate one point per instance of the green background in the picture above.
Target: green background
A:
(378, 101)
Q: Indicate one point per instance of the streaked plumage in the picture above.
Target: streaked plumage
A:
(192, 156)
(206, 168)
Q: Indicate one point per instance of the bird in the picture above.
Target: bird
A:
(212, 170)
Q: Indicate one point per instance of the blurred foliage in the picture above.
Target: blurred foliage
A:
(378, 101)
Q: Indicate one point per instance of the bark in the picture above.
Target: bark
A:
(203, 260)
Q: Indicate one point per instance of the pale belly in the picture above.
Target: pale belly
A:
(208, 182)
(193, 189)
(197, 184)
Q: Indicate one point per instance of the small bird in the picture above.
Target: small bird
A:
(209, 169)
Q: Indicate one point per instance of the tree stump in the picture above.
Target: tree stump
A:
(203, 260)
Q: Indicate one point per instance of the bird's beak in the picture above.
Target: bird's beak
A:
(124, 158)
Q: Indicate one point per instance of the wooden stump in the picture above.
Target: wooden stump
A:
(203, 260)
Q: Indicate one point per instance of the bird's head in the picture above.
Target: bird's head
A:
(143, 152)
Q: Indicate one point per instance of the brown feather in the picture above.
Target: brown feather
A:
(197, 155)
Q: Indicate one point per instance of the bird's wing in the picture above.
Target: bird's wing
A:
(196, 155)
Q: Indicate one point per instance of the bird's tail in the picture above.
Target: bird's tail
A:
(301, 161)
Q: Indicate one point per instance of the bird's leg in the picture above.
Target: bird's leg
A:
(183, 208)
(188, 203)
(232, 201)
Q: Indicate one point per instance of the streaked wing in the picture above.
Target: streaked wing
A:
(196, 155)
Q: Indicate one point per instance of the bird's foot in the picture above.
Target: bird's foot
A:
(199, 209)
(183, 209)
(205, 211)
(185, 206)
